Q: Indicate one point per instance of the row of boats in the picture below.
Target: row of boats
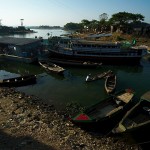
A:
(50, 67)
(110, 82)
(56, 65)
(115, 105)
(133, 117)
(137, 116)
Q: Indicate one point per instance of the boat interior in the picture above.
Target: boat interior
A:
(109, 107)
(141, 114)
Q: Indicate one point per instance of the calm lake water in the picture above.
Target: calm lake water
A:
(58, 90)
(42, 33)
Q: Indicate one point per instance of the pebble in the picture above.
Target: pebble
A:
(29, 116)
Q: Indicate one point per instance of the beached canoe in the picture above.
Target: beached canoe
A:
(137, 118)
(104, 110)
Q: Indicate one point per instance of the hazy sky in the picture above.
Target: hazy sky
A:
(60, 12)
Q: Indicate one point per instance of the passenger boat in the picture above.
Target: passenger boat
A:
(19, 81)
(51, 67)
(110, 83)
(76, 63)
(104, 110)
(103, 52)
(98, 76)
(137, 118)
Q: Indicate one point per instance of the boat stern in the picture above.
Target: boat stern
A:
(81, 118)
(119, 129)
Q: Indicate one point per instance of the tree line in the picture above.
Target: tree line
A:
(123, 20)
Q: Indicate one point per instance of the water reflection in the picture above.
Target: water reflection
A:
(41, 33)
(59, 90)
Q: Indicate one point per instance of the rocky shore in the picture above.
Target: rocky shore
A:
(28, 124)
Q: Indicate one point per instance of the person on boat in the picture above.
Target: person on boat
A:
(88, 76)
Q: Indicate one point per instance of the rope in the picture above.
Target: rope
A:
(146, 142)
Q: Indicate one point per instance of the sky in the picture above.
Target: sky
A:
(61, 12)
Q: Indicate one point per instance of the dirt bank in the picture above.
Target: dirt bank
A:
(26, 123)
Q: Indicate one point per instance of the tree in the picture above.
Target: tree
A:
(85, 23)
(137, 18)
(103, 21)
(103, 16)
(72, 26)
(124, 19)
(94, 24)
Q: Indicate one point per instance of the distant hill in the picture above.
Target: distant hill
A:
(14, 30)
(44, 27)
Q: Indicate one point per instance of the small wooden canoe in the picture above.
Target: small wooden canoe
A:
(19, 81)
(110, 83)
(90, 77)
(51, 67)
(137, 118)
(104, 110)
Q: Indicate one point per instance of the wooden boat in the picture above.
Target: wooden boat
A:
(90, 78)
(51, 67)
(18, 81)
(104, 110)
(97, 51)
(76, 63)
(138, 117)
(110, 83)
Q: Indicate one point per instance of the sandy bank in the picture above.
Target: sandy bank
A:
(27, 123)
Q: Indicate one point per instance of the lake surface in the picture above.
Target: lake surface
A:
(42, 33)
(58, 90)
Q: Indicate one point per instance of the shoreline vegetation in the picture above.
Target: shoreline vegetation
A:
(28, 123)
(5, 30)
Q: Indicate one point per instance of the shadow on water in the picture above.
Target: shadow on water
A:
(138, 137)
(142, 137)
(21, 143)
(20, 68)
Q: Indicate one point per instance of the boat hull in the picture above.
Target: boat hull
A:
(17, 82)
(52, 68)
(74, 63)
(99, 59)
(18, 59)
(104, 111)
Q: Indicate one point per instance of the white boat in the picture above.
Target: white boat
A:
(105, 52)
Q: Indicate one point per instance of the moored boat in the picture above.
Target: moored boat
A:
(98, 76)
(18, 81)
(104, 110)
(104, 52)
(76, 63)
(137, 118)
(110, 83)
(51, 67)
